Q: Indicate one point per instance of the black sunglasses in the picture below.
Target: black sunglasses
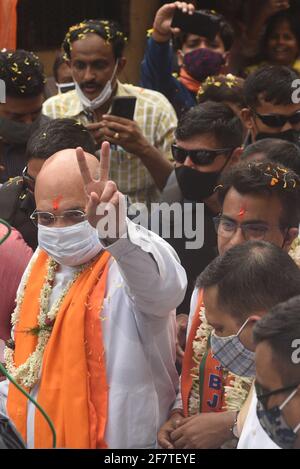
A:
(29, 180)
(263, 396)
(278, 120)
(200, 156)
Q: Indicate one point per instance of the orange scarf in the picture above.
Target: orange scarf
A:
(73, 388)
(188, 81)
(211, 375)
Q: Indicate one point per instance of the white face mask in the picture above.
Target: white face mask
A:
(71, 245)
(101, 98)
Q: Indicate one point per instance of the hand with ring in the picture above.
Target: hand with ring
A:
(124, 133)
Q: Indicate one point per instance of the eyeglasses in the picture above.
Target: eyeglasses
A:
(278, 120)
(200, 156)
(263, 396)
(71, 217)
(29, 180)
(251, 231)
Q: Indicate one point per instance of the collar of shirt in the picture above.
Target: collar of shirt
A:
(74, 106)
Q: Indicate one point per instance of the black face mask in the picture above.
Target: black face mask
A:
(194, 185)
(291, 135)
(17, 133)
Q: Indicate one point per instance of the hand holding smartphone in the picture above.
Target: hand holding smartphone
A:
(123, 106)
(200, 22)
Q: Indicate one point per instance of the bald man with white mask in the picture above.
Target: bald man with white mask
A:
(99, 349)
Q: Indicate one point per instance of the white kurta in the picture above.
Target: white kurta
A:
(253, 435)
(145, 282)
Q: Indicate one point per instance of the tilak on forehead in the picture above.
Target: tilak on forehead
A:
(56, 202)
(242, 212)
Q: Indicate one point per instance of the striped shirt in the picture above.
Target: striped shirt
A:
(157, 121)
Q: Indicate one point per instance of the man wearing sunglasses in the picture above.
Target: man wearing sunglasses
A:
(208, 142)
(260, 202)
(277, 384)
(17, 195)
(270, 111)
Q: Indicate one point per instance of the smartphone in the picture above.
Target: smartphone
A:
(123, 106)
(201, 23)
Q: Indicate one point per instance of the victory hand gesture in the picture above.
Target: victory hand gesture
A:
(106, 205)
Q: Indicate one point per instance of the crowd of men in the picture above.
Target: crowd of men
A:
(156, 341)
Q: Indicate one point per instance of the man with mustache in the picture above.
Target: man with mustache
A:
(141, 147)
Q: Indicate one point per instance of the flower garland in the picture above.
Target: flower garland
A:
(27, 374)
(237, 390)
(228, 81)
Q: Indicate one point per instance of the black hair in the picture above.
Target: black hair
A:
(273, 83)
(22, 73)
(211, 118)
(268, 179)
(273, 22)
(57, 135)
(280, 328)
(110, 31)
(60, 60)
(251, 277)
(222, 89)
(276, 150)
(226, 33)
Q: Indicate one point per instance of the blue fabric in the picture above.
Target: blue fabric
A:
(156, 74)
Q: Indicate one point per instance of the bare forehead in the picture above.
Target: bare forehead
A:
(262, 206)
(64, 165)
(91, 45)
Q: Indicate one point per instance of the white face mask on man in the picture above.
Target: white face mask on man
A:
(70, 245)
(101, 98)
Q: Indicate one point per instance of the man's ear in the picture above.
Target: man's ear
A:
(180, 56)
(290, 238)
(68, 62)
(121, 64)
(236, 155)
(247, 118)
(226, 57)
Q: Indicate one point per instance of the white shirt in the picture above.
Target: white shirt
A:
(145, 282)
(253, 435)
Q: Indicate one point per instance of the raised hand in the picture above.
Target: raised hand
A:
(271, 7)
(164, 17)
(106, 205)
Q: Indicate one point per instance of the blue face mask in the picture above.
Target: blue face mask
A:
(274, 424)
(233, 355)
